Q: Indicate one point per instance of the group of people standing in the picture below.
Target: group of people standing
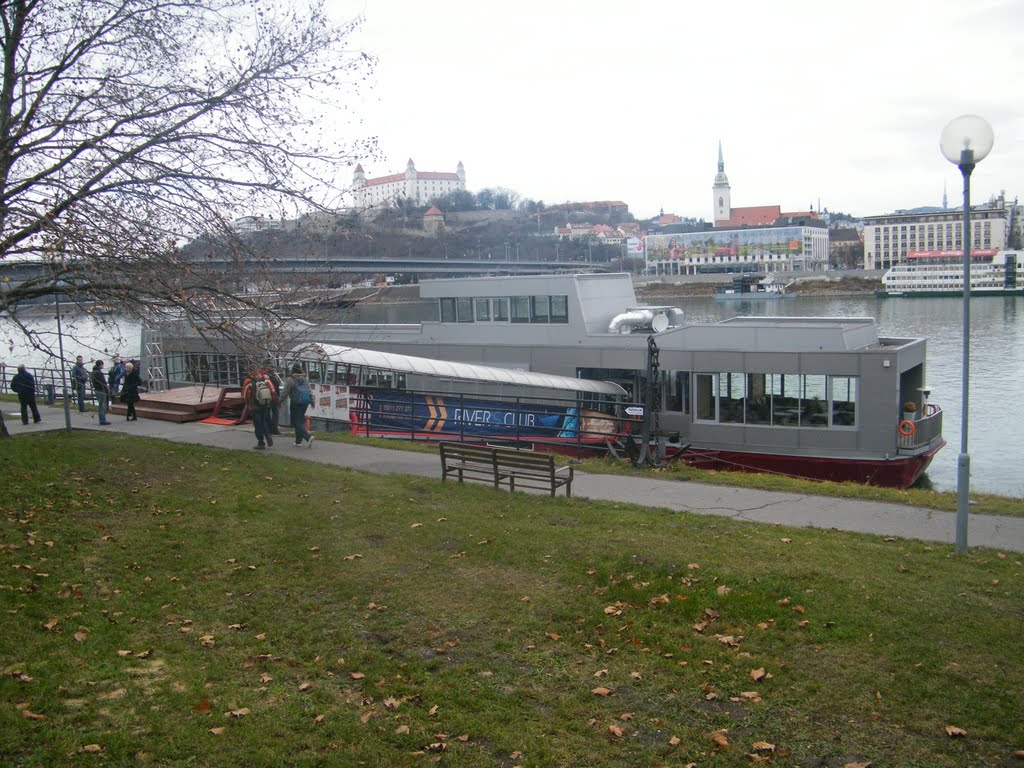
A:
(264, 392)
(123, 381)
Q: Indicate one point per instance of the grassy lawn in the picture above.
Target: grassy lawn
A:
(178, 605)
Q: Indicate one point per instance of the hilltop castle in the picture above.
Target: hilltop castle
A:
(419, 187)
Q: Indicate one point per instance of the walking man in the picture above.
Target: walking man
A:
(275, 411)
(24, 384)
(101, 389)
(259, 393)
(80, 377)
(297, 388)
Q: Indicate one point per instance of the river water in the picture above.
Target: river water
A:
(996, 437)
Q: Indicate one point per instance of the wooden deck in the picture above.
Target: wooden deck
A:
(184, 403)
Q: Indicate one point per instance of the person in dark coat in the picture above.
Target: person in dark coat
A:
(24, 384)
(297, 388)
(80, 378)
(130, 389)
(101, 390)
(275, 410)
(115, 376)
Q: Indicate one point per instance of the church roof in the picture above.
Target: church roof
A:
(434, 211)
(753, 216)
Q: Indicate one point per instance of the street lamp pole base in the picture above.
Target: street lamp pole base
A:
(963, 475)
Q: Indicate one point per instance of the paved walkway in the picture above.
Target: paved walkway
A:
(1002, 533)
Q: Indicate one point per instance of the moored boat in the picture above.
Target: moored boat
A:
(811, 397)
(928, 274)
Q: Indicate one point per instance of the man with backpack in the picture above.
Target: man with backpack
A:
(297, 388)
(260, 395)
(275, 412)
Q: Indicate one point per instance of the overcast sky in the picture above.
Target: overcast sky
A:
(833, 104)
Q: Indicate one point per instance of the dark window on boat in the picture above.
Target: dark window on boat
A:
(676, 386)
(464, 310)
(559, 309)
(540, 309)
(731, 397)
(759, 401)
(483, 310)
(785, 399)
(520, 309)
(706, 400)
(447, 310)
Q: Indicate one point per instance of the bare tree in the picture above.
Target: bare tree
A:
(130, 127)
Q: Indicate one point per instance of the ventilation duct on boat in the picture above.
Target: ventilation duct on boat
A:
(656, 319)
(631, 320)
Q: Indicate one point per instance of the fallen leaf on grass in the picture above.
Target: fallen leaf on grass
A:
(202, 707)
(32, 715)
(763, 746)
(954, 733)
(857, 765)
(238, 712)
(554, 635)
(217, 731)
(719, 738)
(265, 678)
(356, 675)
(352, 557)
(81, 635)
(601, 691)
(402, 730)
(91, 748)
(675, 741)
(757, 675)
(723, 590)
(319, 719)
(392, 703)
(305, 686)
(614, 730)
(53, 622)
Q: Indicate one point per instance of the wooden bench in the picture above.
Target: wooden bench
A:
(501, 465)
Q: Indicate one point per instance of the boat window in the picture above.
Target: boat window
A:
(520, 309)
(759, 401)
(732, 395)
(676, 386)
(813, 401)
(559, 309)
(447, 310)
(540, 309)
(785, 390)
(464, 310)
(500, 309)
(705, 397)
(483, 310)
(844, 401)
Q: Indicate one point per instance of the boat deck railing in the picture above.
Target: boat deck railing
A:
(924, 429)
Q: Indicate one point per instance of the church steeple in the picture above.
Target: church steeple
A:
(722, 192)
(945, 203)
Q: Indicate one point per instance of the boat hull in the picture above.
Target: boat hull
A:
(898, 472)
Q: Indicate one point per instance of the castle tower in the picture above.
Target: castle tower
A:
(722, 192)
(461, 173)
(410, 180)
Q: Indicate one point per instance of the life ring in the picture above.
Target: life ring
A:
(931, 410)
(907, 428)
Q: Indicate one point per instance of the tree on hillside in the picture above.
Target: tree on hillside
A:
(456, 200)
(128, 127)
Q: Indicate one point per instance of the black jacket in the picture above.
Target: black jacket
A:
(24, 383)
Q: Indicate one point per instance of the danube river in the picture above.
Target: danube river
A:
(997, 363)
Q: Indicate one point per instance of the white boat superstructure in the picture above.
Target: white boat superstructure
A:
(941, 273)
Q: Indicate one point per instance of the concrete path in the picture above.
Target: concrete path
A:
(1001, 533)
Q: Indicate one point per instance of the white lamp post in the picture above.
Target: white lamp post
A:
(965, 142)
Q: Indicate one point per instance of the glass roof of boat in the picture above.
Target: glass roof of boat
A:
(465, 371)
